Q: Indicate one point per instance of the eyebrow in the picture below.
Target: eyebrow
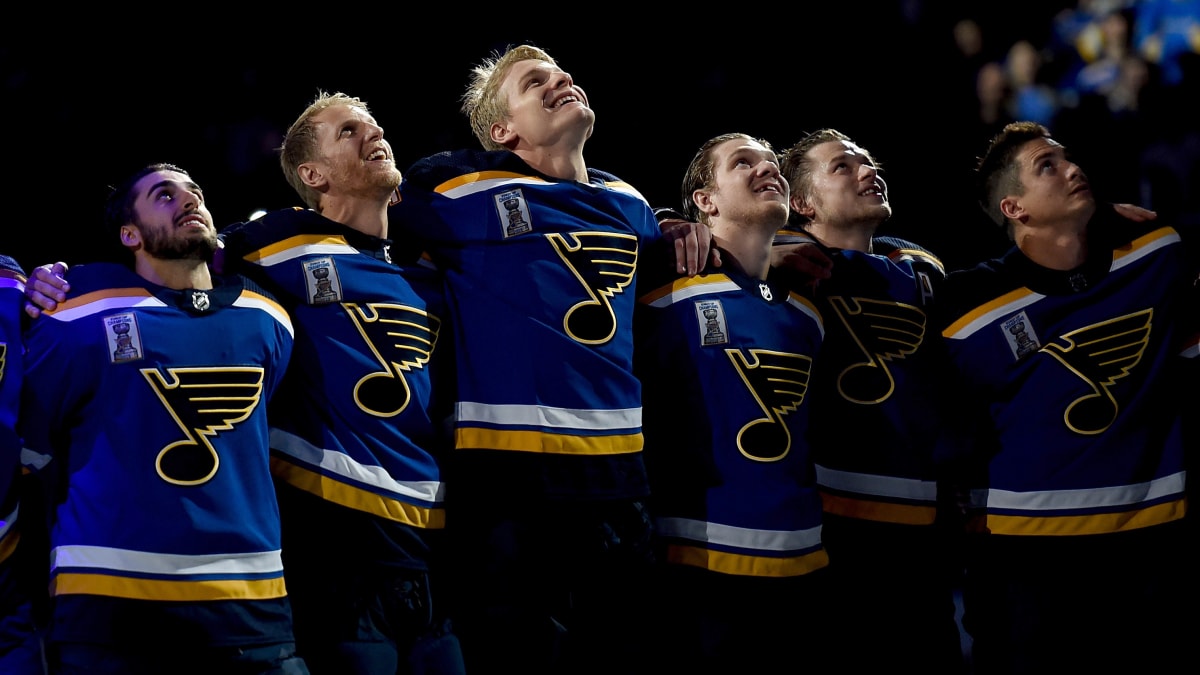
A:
(757, 153)
(1046, 152)
(845, 156)
(542, 68)
(189, 185)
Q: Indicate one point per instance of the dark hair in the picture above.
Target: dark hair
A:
(997, 174)
(118, 212)
(118, 208)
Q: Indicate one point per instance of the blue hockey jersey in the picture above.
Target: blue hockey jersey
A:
(539, 275)
(144, 414)
(726, 363)
(1070, 381)
(357, 422)
(876, 427)
(12, 354)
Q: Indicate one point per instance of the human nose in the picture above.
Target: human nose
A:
(374, 132)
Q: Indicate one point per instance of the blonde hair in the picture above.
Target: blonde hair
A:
(482, 103)
(300, 142)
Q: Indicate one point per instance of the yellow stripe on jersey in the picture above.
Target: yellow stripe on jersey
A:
(103, 301)
(539, 441)
(883, 512)
(688, 287)
(986, 313)
(8, 544)
(747, 565)
(357, 498)
(159, 589)
(470, 183)
(1144, 245)
(1098, 523)
(299, 245)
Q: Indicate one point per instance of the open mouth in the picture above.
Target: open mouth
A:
(192, 221)
(569, 98)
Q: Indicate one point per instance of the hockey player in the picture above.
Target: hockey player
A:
(725, 359)
(877, 416)
(144, 413)
(541, 253)
(1068, 354)
(358, 432)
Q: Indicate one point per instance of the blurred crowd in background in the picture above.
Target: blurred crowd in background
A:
(1125, 70)
(1115, 80)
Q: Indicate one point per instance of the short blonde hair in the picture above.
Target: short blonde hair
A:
(482, 103)
(300, 142)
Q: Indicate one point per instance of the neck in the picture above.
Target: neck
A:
(368, 216)
(851, 236)
(745, 248)
(1053, 248)
(178, 274)
(557, 162)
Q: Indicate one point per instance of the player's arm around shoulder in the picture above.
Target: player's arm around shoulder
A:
(800, 260)
(45, 288)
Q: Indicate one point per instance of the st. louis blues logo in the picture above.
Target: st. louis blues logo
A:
(204, 402)
(604, 264)
(1100, 355)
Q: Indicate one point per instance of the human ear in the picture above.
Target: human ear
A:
(131, 236)
(704, 201)
(800, 205)
(311, 175)
(1011, 208)
(502, 134)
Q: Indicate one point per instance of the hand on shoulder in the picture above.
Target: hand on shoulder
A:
(45, 288)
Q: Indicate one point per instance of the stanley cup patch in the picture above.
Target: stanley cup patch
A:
(711, 317)
(124, 339)
(514, 213)
(321, 277)
(1018, 331)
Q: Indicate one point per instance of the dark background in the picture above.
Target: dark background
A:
(214, 93)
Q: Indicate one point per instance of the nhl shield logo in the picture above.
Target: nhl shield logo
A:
(201, 301)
